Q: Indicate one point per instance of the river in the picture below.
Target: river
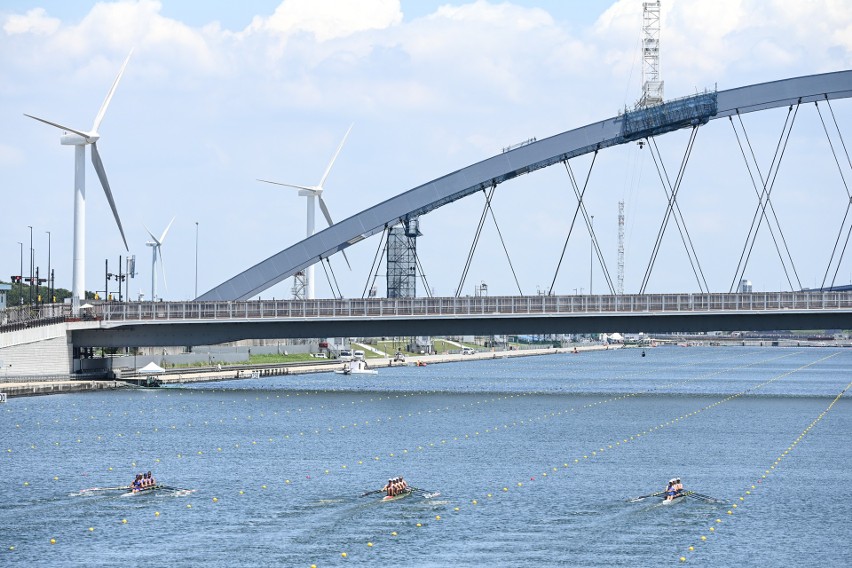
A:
(535, 460)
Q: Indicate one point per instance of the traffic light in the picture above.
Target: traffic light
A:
(16, 279)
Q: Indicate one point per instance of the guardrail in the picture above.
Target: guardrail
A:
(472, 306)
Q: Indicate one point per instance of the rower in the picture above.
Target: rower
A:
(389, 488)
(137, 483)
(678, 487)
(670, 490)
(151, 479)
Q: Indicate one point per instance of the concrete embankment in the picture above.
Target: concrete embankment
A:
(35, 387)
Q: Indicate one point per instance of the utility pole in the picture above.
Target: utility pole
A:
(31, 263)
(196, 259)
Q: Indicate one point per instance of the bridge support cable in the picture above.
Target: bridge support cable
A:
(475, 242)
(420, 268)
(505, 250)
(764, 200)
(757, 193)
(595, 245)
(574, 218)
(673, 209)
(377, 262)
(332, 281)
(848, 194)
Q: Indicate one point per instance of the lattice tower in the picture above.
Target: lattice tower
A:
(652, 84)
(620, 284)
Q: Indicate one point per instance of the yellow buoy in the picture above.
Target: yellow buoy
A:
(683, 558)
(437, 517)
(123, 521)
(343, 554)
(393, 533)
(215, 499)
(156, 513)
(53, 541)
(370, 544)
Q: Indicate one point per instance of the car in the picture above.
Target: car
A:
(345, 355)
(467, 351)
(358, 355)
(320, 355)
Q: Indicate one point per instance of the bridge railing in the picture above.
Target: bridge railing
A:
(473, 306)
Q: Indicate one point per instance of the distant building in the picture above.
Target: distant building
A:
(744, 287)
(4, 288)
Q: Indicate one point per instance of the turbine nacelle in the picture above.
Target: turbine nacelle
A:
(71, 139)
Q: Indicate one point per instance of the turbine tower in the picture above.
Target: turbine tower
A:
(156, 252)
(80, 139)
(313, 194)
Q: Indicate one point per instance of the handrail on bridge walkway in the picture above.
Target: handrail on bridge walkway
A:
(474, 306)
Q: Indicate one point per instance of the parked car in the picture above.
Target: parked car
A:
(358, 355)
(467, 351)
(345, 355)
(320, 355)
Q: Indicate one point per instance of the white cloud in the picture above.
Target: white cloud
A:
(328, 19)
(35, 21)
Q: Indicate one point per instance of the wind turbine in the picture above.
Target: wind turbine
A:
(156, 252)
(80, 140)
(314, 193)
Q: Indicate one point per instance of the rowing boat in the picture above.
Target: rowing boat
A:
(402, 495)
(146, 490)
(675, 499)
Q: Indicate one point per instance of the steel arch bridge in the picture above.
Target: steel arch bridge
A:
(630, 126)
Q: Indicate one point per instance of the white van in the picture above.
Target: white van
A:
(358, 355)
(345, 355)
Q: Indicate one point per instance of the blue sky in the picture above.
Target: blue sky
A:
(220, 93)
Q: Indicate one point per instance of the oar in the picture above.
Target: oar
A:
(701, 497)
(427, 494)
(634, 499)
(372, 492)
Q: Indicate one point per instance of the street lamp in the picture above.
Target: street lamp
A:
(21, 277)
(49, 291)
(591, 253)
(196, 259)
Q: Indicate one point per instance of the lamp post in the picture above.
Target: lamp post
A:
(591, 254)
(49, 291)
(196, 259)
(31, 263)
(21, 277)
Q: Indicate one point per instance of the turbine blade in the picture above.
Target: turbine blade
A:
(163, 237)
(163, 267)
(331, 163)
(304, 187)
(99, 168)
(327, 216)
(111, 92)
(156, 242)
(325, 212)
(59, 126)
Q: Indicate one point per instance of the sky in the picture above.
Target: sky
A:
(218, 94)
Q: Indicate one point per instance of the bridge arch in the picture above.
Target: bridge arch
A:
(621, 129)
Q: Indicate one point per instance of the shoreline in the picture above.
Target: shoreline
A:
(36, 387)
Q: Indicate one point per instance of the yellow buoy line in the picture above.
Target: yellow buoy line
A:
(235, 419)
(712, 529)
(545, 416)
(156, 429)
(588, 456)
(433, 444)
